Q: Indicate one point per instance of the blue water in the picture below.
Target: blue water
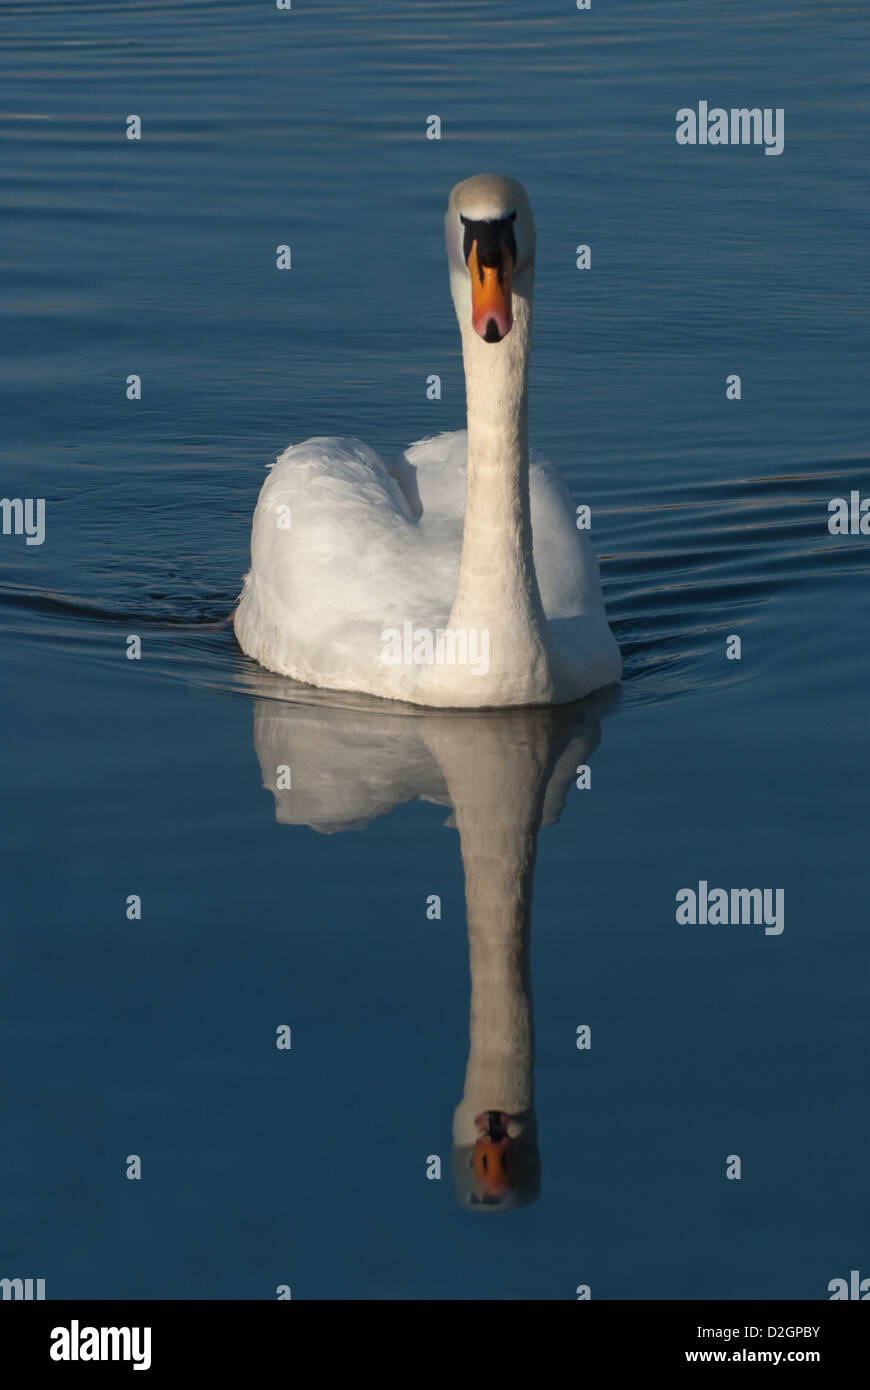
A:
(308, 1167)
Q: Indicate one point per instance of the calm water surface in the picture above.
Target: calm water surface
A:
(307, 1168)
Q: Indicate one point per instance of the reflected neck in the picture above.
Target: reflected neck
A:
(496, 777)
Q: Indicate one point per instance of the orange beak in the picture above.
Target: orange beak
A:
(494, 1166)
(491, 313)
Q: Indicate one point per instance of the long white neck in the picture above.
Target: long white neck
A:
(496, 772)
(497, 564)
(497, 591)
(499, 862)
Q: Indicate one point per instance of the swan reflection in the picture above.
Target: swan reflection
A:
(503, 774)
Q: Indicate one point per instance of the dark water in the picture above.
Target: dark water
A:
(157, 1038)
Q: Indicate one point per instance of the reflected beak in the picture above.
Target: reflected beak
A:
(491, 313)
(494, 1159)
(495, 1168)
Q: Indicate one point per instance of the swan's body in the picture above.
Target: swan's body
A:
(456, 578)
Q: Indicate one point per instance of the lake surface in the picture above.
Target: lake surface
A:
(308, 1167)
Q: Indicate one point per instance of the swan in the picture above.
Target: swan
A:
(503, 775)
(455, 577)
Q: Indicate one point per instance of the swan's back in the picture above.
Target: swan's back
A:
(344, 547)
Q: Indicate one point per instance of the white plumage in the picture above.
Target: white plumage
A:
(346, 550)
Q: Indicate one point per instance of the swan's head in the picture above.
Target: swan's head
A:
(491, 251)
(501, 1168)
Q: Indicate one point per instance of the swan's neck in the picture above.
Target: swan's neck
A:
(497, 597)
(497, 568)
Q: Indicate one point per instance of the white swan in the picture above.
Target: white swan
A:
(456, 578)
(504, 775)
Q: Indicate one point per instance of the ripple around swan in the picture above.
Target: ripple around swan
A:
(687, 565)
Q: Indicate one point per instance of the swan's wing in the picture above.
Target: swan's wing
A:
(434, 469)
(338, 557)
(565, 562)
